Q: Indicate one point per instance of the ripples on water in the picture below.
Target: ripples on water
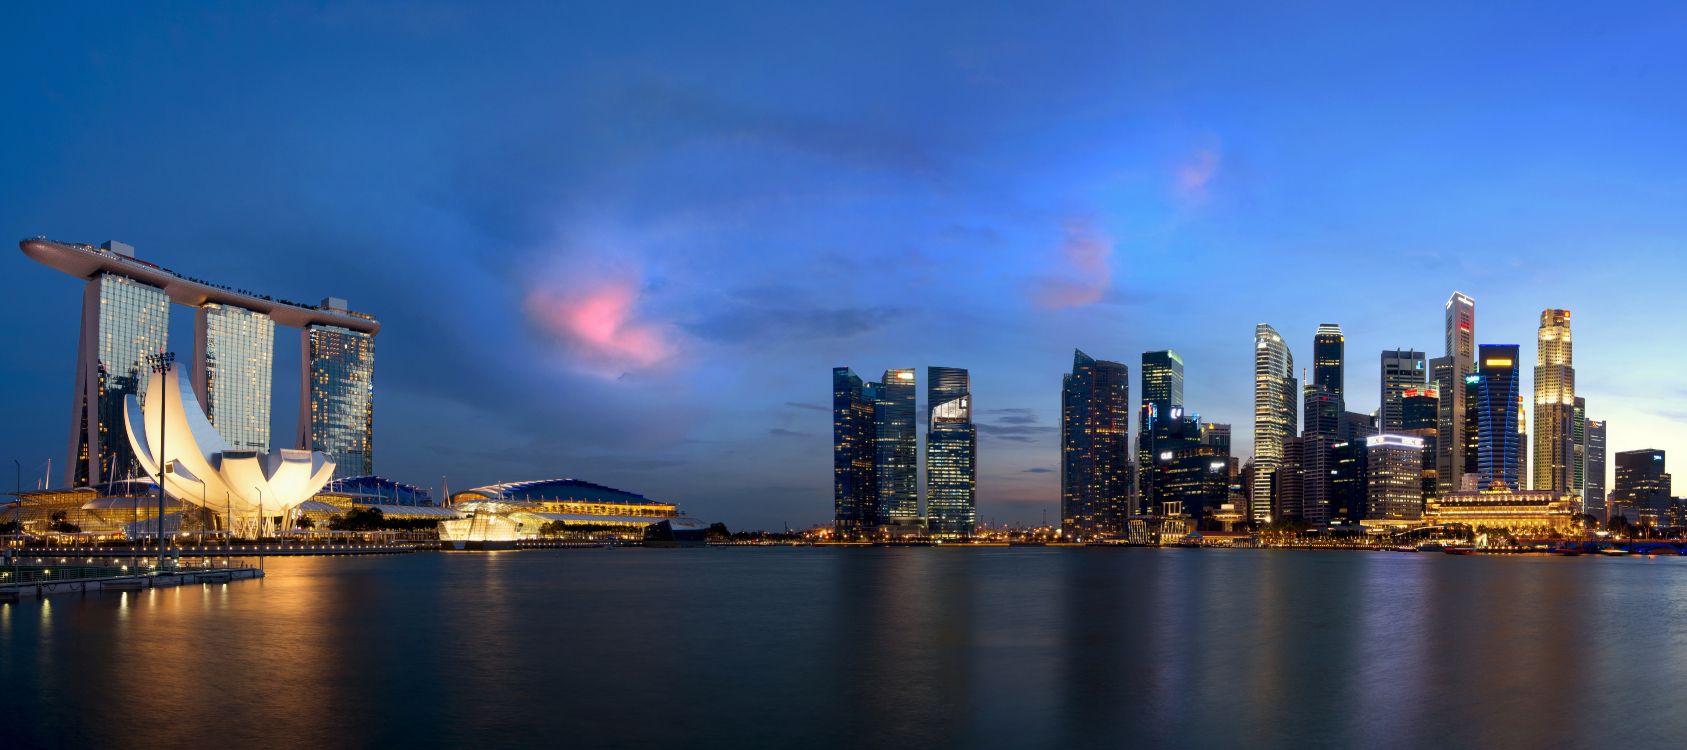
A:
(867, 648)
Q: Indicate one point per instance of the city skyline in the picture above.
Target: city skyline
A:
(642, 241)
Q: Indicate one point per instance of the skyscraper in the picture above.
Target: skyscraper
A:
(1495, 411)
(1578, 444)
(1593, 489)
(1328, 358)
(951, 453)
(1555, 405)
(1162, 394)
(1642, 490)
(1449, 373)
(1402, 370)
(1419, 416)
(1393, 479)
(337, 410)
(1095, 467)
(123, 320)
(1275, 417)
(234, 363)
(1322, 409)
(896, 453)
(854, 447)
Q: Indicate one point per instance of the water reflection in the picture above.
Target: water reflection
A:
(874, 647)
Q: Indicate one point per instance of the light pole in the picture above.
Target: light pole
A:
(161, 364)
(260, 526)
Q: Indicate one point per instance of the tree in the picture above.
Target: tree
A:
(717, 531)
(358, 519)
(306, 523)
(61, 525)
(10, 527)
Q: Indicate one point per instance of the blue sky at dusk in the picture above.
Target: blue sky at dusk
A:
(627, 242)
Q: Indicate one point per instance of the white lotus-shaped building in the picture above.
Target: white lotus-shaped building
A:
(247, 487)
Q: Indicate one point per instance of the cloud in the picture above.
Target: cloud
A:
(763, 323)
(1084, 272)
(782, 432)
(1196, 173)
(1013, 424)
(598, 322)
(1038, 470)
(810, 407)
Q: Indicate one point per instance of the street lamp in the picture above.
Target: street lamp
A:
(161, 363)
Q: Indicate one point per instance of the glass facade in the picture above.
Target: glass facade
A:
(1393, 478)
(1460, 360)
(1095, 468)
(123, 320)
(1162, 396)
(854, 483)
(1275, 415)
(1555, 405)
(1329, 349)
(339, 394)
(235, 351)
(1495, 418)
(1402, 370)
(951, 453)
(1593, 493)
(897, 450)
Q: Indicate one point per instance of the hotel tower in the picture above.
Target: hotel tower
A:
(126, 305)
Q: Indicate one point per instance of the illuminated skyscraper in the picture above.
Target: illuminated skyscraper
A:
(1402, 370)
(854, 446)
(337, 401)
(123, 320)
(1162, 394)
(1393, 479)
(1642, 490)
(951, 454)
(1329, 348)
(1494, 403)
(1460, 360)
(1578, 444)
(1555, 405)
(1593, 492)
(1275, 413)
(897, 449)
(1419, 415)
(234, 362)
(1322, 411)
(1095, 466)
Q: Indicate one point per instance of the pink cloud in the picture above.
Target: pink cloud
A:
(599, 324)
(1085, 272)
(1196, 173)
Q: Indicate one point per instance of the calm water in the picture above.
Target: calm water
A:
(879, 647)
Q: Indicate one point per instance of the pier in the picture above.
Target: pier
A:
(42, 578)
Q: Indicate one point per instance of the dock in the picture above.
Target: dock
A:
(37, 580)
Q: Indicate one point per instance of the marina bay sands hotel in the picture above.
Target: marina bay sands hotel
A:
(125, 316)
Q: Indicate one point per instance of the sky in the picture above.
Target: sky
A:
(627, 242)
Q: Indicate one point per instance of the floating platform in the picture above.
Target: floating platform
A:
(42, 583)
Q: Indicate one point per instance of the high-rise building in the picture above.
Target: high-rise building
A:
(1402, 370)
(1393, 479)
(123, 320)
(1555, 405)
(1095, 468)
(1642, 490)
(951, 454)
(1328, 354)
(1356, 426)
(1593, 492)
(855, 494)
(1494, 417)
(1316, 470)
(1419, 417)
(1322, 409)
(125, 316)
(1288, 481)
(1578, 444)
(897, 450)
(1162, 393)
(234, 362)
(338, 397)
(1216, 435)
(1275, 417)
(1448, 374)
(1349, 495)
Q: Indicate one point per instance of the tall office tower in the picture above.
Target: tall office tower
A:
(233, 362)
(1356, 426)
(1578, 444)
(1288, 481)
(337, 409)
(1349, 496)
(1393, 478)
(1216, 435)
(897, 449)
(1419, 418)
(1316, 470)
(1460, 329)
(1445, 379)
(123, 320)
(1195, 477)
(855, 494)
(1593, 491)
(1095, 466)
(1555, 405)
(951, 453)
(1162, 392)
(1402, 370)
(1642, 490)
(1322, 409)
(1495, 412)
(1328, 352)
(1274, 413)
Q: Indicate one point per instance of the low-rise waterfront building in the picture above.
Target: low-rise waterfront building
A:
(500, 514)
(1521, 512)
